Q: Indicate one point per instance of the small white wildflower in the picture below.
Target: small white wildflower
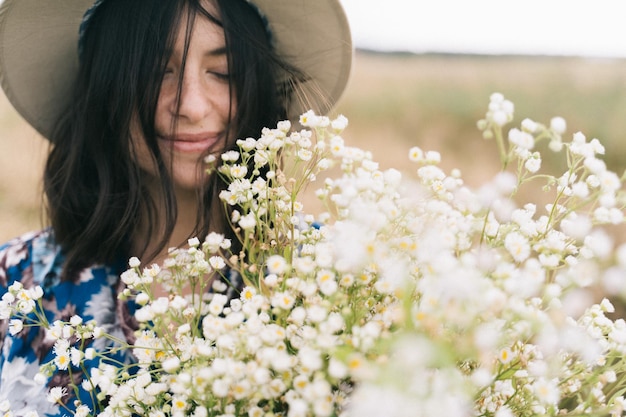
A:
(522, 153)
(25, 306)
(217, 262)
(580, 190)
(547, 391)
(90, 353)
(597, 147)
(142, 298)
(238, 171)
(416, 154)
(98, 332)
(506, 355)
(556, 145)
(576, 226)
(271, 280)
(607, 306)
(235, 304)
(505, 183)
(76, 356)
(340, 123)
(607, 200)
(183, 329)
(230, 156)
(76, 320)
(549, 260)
(216, 306)
(171, 364)
(432, 157)
(62, 360)
(529, 125)
(248, 221)
(310, 119)
(130, 277)
(609, 181)
(213, 241)
(499, 117)
(533, 164)
(495, 99)
(337, 145)
(595, 165)
(247, 294)
(593, 181)
(36, 292)
(56, 394)
(522, 139)
(276, 264)
(304, 154)
(283, 300)
(160, 305)
(247, 145)
(256, 412)
(558, 125)
(82, 411)
(144, 314)
(517, 245)
(15, 326)
(284, 126)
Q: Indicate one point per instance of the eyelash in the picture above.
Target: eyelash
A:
(220, 75)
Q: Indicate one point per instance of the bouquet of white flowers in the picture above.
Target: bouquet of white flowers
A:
(407, 297)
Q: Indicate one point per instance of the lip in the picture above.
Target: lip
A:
(193, 142)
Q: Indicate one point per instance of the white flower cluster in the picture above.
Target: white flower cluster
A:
(504, 294)
(302, 330)
(20, 300)
(411, 298)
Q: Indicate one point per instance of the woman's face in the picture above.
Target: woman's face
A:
(205, 104)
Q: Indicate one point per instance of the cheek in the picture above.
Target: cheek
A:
(161, 115)
(225, 102)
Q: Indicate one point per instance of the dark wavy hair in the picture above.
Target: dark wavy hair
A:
(95, 193)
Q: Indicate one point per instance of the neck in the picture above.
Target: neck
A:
(184, 226)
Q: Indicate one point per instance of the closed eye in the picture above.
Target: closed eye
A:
(220, 75)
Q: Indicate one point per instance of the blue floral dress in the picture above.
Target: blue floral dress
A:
(35, 259)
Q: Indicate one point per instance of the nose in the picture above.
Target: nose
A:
(195, 100)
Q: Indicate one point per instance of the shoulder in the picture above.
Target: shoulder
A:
(19, 255)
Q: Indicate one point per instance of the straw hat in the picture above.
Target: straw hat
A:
(39, 50)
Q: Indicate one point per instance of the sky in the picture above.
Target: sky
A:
(593, 28)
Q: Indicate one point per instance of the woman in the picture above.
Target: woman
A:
(133, 95)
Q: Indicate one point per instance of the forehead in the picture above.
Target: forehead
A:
(203, 7)
(205, 32)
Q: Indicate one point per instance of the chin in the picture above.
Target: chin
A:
(190, 180)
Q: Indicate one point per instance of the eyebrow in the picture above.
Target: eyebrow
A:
(219, 51)
(216, 52)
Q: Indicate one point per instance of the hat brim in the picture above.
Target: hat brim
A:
(39, 55)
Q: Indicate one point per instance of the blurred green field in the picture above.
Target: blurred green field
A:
(398, 101)
(435, 101)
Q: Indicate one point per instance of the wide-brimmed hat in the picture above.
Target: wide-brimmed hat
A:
(39, 51)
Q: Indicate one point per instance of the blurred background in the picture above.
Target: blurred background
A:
(423, 74)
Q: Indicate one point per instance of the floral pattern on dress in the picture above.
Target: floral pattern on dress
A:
(36, 259)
